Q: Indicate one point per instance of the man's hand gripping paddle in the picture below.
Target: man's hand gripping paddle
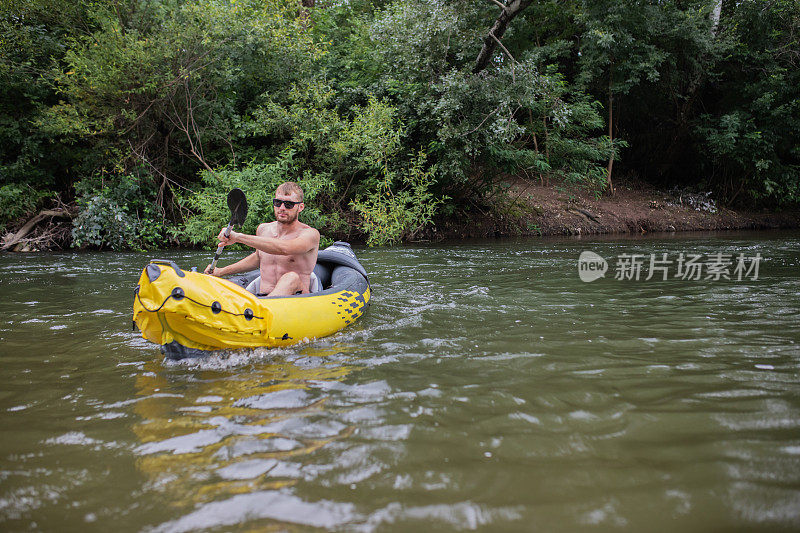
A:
(237, 203)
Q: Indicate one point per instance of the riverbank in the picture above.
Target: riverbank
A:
(525, 209)
(519, 209)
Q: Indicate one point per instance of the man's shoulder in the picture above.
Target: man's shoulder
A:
(264, 226)
(308, 230)
(312, 237)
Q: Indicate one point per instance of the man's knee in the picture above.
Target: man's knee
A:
(287, 285)
(292, 278)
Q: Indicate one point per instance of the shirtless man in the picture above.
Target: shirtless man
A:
(286, 250)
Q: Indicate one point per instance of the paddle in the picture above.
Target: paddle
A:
(237, 203)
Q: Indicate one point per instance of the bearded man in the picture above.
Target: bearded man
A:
(285, 250)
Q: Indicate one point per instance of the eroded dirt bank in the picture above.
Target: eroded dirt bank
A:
(550, 210)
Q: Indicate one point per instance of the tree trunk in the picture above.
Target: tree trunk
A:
(610, 131)
(492, 39)
(715, 16)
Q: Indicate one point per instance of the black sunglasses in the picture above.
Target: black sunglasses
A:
(287, 203)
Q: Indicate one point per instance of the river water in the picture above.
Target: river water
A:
(486, 388)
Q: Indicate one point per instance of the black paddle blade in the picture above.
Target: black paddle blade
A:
(237, 203)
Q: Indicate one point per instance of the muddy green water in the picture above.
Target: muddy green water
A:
(486, 388)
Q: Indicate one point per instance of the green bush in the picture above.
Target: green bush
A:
(116, 213)
(400, 205)
(520, 121)
(210, 211)
(324, 153)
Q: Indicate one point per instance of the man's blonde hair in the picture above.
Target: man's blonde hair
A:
(290, 187)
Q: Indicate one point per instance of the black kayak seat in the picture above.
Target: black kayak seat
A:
(332, 263)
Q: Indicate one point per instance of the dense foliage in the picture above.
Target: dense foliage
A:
(144, 113)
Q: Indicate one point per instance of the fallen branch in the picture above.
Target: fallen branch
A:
(14, 239)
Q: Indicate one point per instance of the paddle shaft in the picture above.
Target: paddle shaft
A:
(237, 203)
(220, 247)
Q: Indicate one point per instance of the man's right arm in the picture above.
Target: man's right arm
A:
(245, 265)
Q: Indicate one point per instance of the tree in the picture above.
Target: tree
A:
(753, 108)
(618, 50)
(35, 37)
(492, 40)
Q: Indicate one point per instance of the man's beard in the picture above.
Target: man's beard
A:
(291, 218)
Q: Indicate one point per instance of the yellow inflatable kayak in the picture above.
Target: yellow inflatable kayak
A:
(190, 314)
